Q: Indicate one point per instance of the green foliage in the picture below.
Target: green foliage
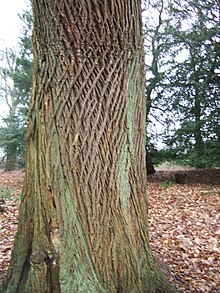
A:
(17, 198)
(167, 183)
(183, 80)
(209, 159)
(12, 139)
(16, 74)
(5, 192)
(22, 76)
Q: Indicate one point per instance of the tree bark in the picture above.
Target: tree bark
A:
(11, 147)
(197, 108)
(83, 217)
(11, 156)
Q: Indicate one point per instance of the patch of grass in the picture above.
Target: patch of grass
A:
(167, 183)
(172, 166)
(17, 198)
(5, 192)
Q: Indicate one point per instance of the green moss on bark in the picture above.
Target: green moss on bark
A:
(77, 273)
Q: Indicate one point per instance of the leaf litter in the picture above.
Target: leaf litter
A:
(184, 224)
(185, 228)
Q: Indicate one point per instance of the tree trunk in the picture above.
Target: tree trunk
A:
(199, 144)
(11, 145)
(149, 163)
(197, 110)
(11, 156)
(83, 217)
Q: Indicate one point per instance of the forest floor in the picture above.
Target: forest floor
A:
(184, 223)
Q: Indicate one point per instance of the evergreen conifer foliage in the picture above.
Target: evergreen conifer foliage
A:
(16, 75)
(183, 87)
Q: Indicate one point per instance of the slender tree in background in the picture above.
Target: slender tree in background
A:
(161, 51)
(12, 131)
(157, 44)
(15, 93)
(8, 95)
(83, 217)
(154, 76)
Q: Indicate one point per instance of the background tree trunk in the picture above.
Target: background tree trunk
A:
(11, 156)
(83, 224)
(12, 141)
